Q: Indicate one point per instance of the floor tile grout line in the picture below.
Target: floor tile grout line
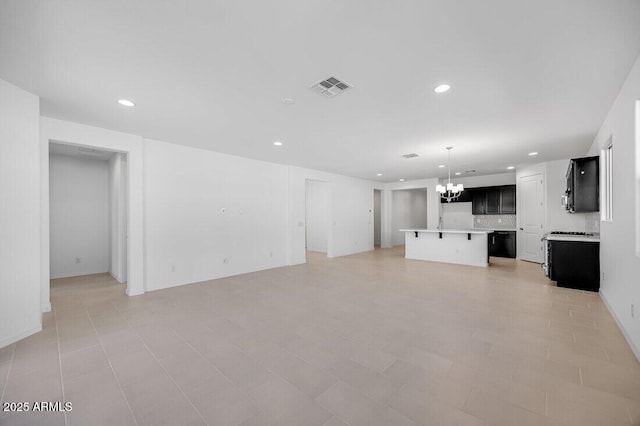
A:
(175, 383)
(55, 318)
(6, 382)
(113, 371)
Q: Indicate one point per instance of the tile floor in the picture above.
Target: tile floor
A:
(369, 339)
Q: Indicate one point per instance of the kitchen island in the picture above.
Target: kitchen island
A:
(461, 246)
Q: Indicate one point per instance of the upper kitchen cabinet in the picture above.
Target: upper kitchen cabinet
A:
(508, 199)
(583, 185)
(478, 201)
(494, 200)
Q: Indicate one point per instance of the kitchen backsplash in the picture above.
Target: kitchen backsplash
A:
(498, 221)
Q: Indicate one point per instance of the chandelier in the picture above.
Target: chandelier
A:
(450, 192)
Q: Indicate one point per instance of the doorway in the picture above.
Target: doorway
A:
(377, 218)
(87, 212)
(317, 216)
(409, 210)
(531, 217)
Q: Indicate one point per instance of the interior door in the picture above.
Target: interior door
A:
(531, 218)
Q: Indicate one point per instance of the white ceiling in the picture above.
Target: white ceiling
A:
(525, 76)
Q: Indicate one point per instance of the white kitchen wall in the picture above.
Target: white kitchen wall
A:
(620, 288)
(409, 211)
(317, 215)
(486, 180)
(20, 308)
(210, 215)
(118, 216)
(457, 216)
(79, 216)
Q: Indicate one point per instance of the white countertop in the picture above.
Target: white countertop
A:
(595, 238)
(451, 231)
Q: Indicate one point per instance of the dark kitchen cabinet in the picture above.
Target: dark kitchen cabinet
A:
(583, 185)
(508, 199)
(478, 201)
(502, 244)
(492, 205)
(575, 264)
(494, 200)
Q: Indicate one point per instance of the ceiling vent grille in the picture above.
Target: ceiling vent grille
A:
(412, 155)
(330, 87)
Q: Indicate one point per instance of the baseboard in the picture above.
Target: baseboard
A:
(634, 349)
(25, 333)
(117, 278)
(76, 274)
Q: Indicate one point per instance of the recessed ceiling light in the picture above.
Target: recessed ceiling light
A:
(126, 102)
(441, 166)
(458, 173)
(401, 180)
(442, 88)
(379, 174)
(510, 168)
(277, 143)
(288, 101)
(533, 153)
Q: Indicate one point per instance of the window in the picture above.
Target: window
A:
(606, 210)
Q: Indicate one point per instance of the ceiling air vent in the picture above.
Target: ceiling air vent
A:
(330, 87)
(412, 155)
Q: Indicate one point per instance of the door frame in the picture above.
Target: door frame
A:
(520, 206)
(53, 130)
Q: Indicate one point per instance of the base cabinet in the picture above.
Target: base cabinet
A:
(502, 244)
(575, 264)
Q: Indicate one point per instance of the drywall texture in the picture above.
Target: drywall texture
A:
(486, 180)
(210, 215)
(620, 265)
(409, 211)
(118, 216)
(317, 214)
(456, 215)
(79, 216)
(20, 310)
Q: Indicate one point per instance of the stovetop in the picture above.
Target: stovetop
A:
(586, 234)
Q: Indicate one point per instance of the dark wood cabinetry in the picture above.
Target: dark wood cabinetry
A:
(575, 264)
(494, 200)
(583, 185)
(502, 244)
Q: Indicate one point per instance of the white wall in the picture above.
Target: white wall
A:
(317, 215)
(409, 211)
(619, 263)
(79, 216)
(486, 180)
(118, 216)
(20, 309)
(210, 215)
(457, 215)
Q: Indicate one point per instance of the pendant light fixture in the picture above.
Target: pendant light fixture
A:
(450, 192)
